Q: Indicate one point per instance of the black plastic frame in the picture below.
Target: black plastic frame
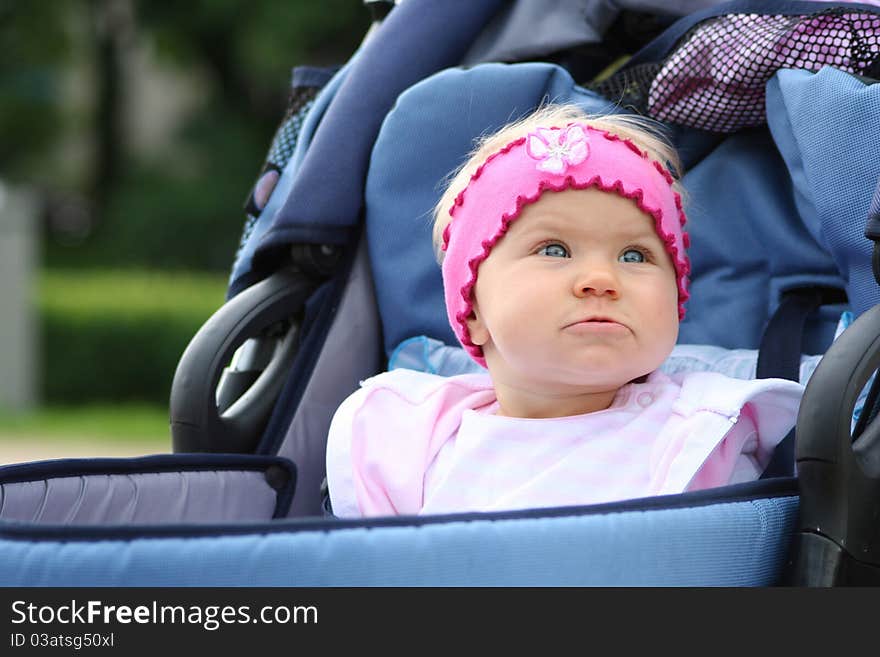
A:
(197, 425)
(838, 542)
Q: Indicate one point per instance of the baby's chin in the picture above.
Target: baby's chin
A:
(605, 378)
(599, 373)
(592, 384)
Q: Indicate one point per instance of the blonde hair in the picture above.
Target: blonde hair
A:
(641, 131)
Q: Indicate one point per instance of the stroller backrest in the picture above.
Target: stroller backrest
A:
(770, 208)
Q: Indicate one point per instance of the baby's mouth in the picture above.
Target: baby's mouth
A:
(597, 324)
(596, 319)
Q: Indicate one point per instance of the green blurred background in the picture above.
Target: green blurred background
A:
(137, 129)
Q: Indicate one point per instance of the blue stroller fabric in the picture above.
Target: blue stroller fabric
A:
(242, 274)
(826, 127)
(699, 539)
(324, 202)
(749, 243)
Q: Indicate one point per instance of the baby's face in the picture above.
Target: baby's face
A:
(580, 294)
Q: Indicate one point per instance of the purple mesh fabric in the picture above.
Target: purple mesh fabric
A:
(715, 77)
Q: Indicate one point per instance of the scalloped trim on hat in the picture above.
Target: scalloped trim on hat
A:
(680, 260)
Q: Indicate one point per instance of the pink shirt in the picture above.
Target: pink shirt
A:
(413, 443)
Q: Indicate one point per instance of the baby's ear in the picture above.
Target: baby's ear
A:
(476, 327)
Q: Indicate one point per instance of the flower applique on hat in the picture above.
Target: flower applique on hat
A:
(556, 149)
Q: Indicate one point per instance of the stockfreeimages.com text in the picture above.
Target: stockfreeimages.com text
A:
(211, 617)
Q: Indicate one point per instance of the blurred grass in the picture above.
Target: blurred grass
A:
(115, 336)
(141, 423)
(111, 341)
(77, 293)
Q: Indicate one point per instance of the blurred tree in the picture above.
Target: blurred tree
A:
(250, 47)
(111, 32)
(33, 40)
(177, 204)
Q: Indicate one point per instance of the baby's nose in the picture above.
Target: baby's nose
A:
(598, 279)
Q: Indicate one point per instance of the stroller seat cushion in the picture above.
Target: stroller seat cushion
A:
(414, 443)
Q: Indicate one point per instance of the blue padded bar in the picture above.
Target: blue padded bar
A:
(418, 38)
(735, 543)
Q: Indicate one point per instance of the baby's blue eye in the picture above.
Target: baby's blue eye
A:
(554, 251)
(632, 255)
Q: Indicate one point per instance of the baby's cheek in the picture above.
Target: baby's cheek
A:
(673, 331)
(661, 338)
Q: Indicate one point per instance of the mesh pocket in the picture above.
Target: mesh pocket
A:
(302, 96)
(715, 77)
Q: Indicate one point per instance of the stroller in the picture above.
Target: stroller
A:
(774, 109)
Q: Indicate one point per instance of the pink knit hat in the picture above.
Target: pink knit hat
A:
(576, 156)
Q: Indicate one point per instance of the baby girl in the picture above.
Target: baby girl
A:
(564, 267)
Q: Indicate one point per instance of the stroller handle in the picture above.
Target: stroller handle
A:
(838, 540)
(269, 310)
